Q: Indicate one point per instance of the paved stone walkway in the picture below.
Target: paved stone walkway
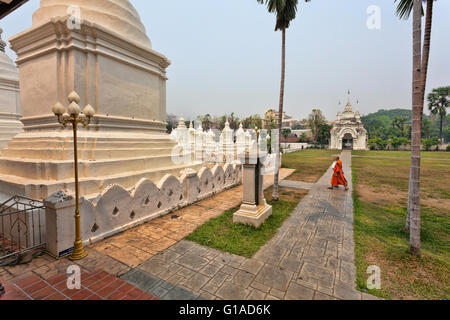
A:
(119, 254)
(311, 257)
(296, 184)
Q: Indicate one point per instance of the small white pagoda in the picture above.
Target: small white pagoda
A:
(348, 132)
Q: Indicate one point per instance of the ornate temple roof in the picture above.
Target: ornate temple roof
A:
(348, 116)
(348, 107)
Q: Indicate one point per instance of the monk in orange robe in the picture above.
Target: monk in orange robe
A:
(338, 176)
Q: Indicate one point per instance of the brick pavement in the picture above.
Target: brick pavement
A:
(310, 257)
(94, 286)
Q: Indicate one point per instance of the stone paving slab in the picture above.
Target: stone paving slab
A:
(121, 253)
(296, 184)
(163, 289)
(310, 257)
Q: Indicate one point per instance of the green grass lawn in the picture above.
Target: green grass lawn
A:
(380, 198)
(403, 154)
(221, 233)
(309, 164)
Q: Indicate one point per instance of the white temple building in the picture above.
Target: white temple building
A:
(348, 132)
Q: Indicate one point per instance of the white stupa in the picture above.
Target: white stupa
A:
(106, 57)
(9, 97)
(115, 15)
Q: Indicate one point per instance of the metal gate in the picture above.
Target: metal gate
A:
(22, 226)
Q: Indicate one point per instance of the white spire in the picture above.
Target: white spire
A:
(181, 123)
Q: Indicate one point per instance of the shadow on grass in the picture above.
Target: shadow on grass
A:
(381, 240)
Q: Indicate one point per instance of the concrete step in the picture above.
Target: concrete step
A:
(18, 144)
(83, 154)
(63, 169)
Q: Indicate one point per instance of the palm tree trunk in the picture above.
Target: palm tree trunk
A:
(275, 196)
(426, 45)
(417, 100)
(440, 129)
(426, 55)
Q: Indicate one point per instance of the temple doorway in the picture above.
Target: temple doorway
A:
(347, 142)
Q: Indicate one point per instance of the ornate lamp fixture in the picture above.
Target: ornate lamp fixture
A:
(74, 116)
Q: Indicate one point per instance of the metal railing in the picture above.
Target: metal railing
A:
(22, 226)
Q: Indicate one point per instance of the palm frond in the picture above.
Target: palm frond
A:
(285, 10)
(405, 7)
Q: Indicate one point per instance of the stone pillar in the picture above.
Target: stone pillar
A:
(240, 144)
(210, 148)
(192, 185)
(9, 98)
(227, 144)
(191, 139)
(59, 224)
(200, 144)
(254, 209)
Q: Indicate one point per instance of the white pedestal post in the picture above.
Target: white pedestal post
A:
(254, 210)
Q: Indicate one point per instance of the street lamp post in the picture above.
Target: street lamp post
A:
(75, 117)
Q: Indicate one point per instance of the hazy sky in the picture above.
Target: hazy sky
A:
(226, 56)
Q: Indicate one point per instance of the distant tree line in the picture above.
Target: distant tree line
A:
(393, 127)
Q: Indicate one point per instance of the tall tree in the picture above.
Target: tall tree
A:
(171, 120)
(324, 134)
(438, 102)
(315, 120)
(285, 11)
(417, 108)
(285, 133)
(234, 121)
(399, 123)
(206, 120)
(404, 9)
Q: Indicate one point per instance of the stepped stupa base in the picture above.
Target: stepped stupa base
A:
(37, 164)
(9, 127)
(108, 61)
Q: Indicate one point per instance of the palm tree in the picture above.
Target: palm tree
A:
(404, 9)
(417, 108)
(438, 102)
(420, 72)
(286, 11)
(315, 120)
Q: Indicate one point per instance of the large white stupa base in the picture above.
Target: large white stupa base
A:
(37, 164)
(113, 69)
(9, 127)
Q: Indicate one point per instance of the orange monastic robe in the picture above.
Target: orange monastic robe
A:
(338, 176)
